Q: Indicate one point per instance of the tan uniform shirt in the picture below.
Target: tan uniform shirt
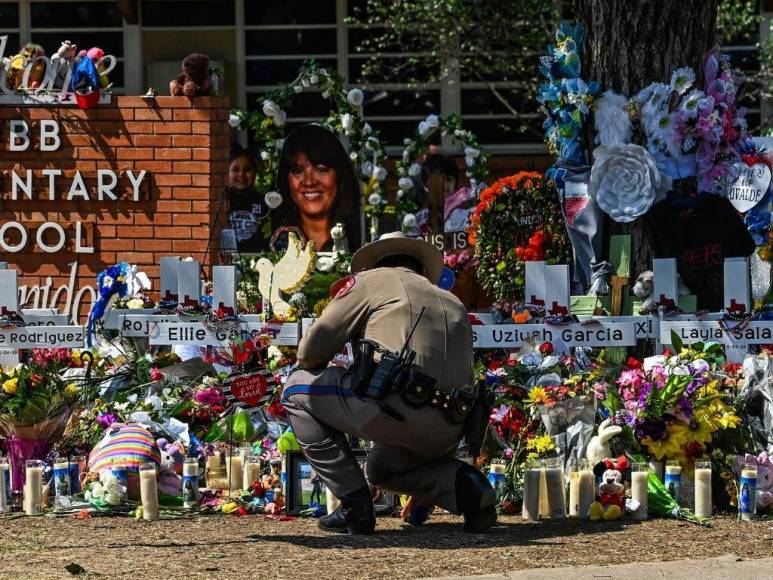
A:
(381, 305)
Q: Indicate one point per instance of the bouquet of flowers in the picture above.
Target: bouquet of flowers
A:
(674, 404)
(36, 398)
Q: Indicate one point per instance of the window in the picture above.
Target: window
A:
(9, 26)
(186, 13)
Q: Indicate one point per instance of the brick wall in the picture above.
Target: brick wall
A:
(182, 145)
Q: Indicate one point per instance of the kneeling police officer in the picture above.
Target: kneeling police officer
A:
(410, 392)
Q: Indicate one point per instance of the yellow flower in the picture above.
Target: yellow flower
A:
(716, 415)
(135, 303)
(71, 390)
(540, 444)
(10, 386)
(537, 396)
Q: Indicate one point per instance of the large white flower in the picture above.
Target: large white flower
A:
(347, 122)
(270, 108)
(234, 121)
(280, 118)
(380, 172)
(471, 152)
(414, 170)
(273, 199)
(367, 169)
(682, 79)
(424, 128)
(375, 199)
(625, 181)
(355, 97)
(690, 104)
(433, 121)
(405, 183)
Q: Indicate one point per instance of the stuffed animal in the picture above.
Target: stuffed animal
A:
(96, 55)
(63, 63)
(598, 447)
(194, 80)
(171, 466)
(611, 491)
(126, 446)
(644, 287)
(18, 64)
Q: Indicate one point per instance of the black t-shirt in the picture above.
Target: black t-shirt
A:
(700, 236)
(247, 214)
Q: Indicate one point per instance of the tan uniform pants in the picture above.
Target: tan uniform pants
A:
(413, 457)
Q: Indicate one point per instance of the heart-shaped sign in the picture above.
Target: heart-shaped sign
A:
(750, 186)
(248, 390)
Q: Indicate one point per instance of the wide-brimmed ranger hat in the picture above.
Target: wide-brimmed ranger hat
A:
(398, 244)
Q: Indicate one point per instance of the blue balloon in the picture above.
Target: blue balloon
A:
(447, 278)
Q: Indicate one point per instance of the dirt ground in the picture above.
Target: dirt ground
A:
(255, 547)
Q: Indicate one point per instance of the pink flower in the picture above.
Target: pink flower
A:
(155, 374)
(209, 396)
(630, 378)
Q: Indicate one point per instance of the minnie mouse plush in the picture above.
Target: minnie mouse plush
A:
(612, 490)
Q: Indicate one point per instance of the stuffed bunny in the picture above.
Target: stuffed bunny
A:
(598, 446)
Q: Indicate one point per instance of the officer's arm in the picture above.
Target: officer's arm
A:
(343, 318)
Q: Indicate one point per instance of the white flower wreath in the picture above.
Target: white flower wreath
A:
(408, 166)
(365, 148)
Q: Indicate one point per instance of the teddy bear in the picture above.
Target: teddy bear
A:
(194, 80)
(611, 491)
(17, 65)
(598, 447)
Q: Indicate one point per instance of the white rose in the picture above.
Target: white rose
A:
(135, 303)
(400, 193)
(305, 82)
(375, 199)
(469, 161)
(414, 170)
(424, 128)
(367, 169)
(625, 181)
(298, 88)
(265, 155)
(347, 122)
(367, 130)
(273, 199)
(323, 72)
(407, 141)
(405, 183)
(313, 79)
(406, 156)
(355, 97)
(471, 152)
(380, 173)
(409, 221)
(280, 118)
(274, 352)
(279, 144)
(270, 108)
(325, 94)
(458, 132)
(353, 156)
(234, 121)
(433, 121)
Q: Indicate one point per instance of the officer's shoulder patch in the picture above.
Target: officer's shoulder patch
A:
(342, 287)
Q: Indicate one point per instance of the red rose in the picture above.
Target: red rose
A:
(633, 363)
(546, 348)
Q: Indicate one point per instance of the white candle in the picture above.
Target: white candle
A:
(148, 491)
(556, 494)
(33, 493)
(531, 494)
(544, 503)
(703, 502)
(233, 468)
(213, 462)
(5, 485)
(587, 492)
(574, 494)
(251, 472)
(332, 501)
(639, 493)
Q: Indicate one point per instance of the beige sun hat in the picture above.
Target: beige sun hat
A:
(398, 244)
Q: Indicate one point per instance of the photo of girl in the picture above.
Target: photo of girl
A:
(247, 210)
(319, 188)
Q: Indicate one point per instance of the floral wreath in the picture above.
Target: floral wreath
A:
(408, 165)
(517, 220)
(268, 125)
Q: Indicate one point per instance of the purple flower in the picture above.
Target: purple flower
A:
(509, 453)
(685, 406)
(654, 428)
(209, 396)
(107, 419)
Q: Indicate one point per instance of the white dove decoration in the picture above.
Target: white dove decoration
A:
(288, 275)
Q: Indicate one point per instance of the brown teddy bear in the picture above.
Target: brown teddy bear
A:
(194, 80)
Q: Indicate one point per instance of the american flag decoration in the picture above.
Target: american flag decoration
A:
(250, 390)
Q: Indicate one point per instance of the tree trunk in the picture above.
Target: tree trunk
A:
(631, 43)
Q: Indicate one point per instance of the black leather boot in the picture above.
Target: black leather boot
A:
(475, 499)
(354, 516)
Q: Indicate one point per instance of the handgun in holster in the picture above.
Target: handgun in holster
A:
(477, 421)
